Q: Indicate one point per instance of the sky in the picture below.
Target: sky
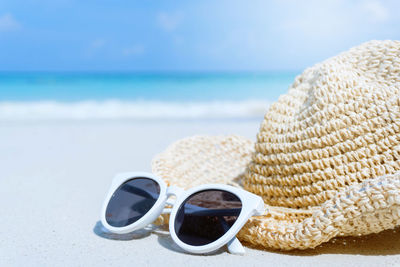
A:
(207, 35)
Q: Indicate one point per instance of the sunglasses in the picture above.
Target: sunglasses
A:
(202, 219)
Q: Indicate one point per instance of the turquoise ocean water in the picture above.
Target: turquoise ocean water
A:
(114, 95)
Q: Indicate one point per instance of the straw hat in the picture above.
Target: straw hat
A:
(327, 156)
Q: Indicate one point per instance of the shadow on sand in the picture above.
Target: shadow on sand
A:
(163, 237)
(165, 240)
(101, 231)
(383, 243)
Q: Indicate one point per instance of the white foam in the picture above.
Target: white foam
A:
(116, 109)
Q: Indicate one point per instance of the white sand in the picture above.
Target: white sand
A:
(54, 177)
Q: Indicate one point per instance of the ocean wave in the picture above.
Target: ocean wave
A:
(116, 109)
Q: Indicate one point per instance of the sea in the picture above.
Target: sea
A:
(104, 95)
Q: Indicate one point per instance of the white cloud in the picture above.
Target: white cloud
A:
(95, 47)
(169, 22)
(334, 22)
(134, 50)
(98, 43)
(290, 34)
(8, 23)
(376, 10)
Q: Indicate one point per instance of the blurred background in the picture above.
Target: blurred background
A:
(66, 59)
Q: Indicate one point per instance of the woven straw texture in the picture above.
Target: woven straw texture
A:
(326, 160)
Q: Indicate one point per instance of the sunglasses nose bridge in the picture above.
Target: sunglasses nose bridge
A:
(174, 191)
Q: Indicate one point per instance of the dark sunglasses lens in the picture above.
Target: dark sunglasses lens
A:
(206, 216)
(131, 201)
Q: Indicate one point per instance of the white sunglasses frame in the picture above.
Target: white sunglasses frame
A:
(252, 205)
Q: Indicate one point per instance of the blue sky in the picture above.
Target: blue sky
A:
(225, 35)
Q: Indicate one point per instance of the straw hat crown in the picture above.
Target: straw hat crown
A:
(338, 125)
(327, 156)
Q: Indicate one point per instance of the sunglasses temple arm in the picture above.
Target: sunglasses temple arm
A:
(235, 247)
(166, 211)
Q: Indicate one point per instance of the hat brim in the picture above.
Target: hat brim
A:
(358, 209)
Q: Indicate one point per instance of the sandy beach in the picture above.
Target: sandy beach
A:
(90, 89)
(56, 174)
